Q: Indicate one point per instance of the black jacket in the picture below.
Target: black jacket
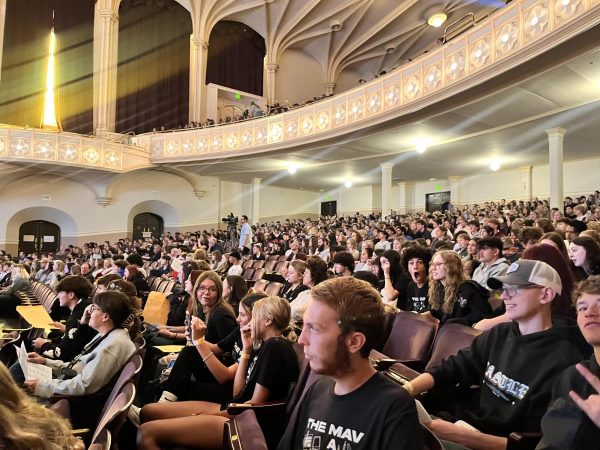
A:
(470, 307)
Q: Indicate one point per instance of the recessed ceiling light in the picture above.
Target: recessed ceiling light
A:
(495, 165)
(292, 168)
(421, 147)
(432, 179)
(348, 183)
(436, 19)
(321, 190)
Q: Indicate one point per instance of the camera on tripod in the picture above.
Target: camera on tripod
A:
(230, 220)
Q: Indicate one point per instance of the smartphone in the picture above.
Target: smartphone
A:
(188, 326)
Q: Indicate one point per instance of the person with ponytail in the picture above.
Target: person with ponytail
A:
(111, 315)
(267, 367)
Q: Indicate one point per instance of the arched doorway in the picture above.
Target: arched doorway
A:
(39, 236)
(147, 225)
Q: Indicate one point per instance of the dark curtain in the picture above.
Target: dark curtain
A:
(24, 62)
(236, 57)
(154, 60)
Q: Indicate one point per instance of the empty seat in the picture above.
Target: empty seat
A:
(281, 265)
(270, 265)
(248, 264)
(248, 274)
(273, 288)
(258, 274)
(451, 338)
(410, 340)
(260, 285)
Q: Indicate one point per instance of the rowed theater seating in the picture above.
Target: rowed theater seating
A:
(98, 411)
(411, 339)
(102, 442)
(243, 432)
(451, 338)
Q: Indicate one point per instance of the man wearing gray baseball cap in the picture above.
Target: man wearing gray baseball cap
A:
(514, 364)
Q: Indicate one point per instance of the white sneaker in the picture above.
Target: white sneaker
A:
(134, 415)
(167, 396)
(165, 360)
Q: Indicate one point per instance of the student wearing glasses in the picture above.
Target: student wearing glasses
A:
(111, 315)
(452, 297)
(514, 364)
(266, 368)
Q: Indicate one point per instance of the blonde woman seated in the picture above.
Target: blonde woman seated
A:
(267, 367)
(25, 424)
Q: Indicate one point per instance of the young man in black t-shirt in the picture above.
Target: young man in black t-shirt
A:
(415, 262)
(353, 406)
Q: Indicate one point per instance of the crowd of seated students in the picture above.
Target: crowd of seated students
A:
(452, 267)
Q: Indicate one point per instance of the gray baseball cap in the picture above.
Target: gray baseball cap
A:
(528, 272)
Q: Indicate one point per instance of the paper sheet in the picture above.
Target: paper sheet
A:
(424, 416)
(169, 348)
(32, 371)
(36, 316)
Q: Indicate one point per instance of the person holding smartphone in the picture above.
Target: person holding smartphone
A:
(266, 368)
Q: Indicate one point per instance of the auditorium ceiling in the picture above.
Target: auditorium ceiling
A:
(364, 36)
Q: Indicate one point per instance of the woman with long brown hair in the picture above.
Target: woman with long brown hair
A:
(452, 297)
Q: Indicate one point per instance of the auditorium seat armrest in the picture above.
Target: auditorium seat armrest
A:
(267, 407)
(523, 441)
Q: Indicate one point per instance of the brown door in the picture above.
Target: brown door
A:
(147, 225)
(39, 236)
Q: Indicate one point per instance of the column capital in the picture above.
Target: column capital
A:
(272, 67)
(454, 178)
(525, 169)
(386, 166)
(199, 42)
(556, 132)
(103, 201)
(108, 14)
(329, 85)
(256, 180)
(200, 194)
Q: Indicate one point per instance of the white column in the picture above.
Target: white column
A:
(526, 182)
(106, 38)
(197, 96)
(255, 200)
(2, 21)
(555, 147)
(270, 82)
(329, 86)
(407, 197)
(455, 192)
(386, 189)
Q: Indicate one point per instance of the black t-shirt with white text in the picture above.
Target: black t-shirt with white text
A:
(378, 415)
(417, 298)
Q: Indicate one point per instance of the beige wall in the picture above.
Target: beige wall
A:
(299, 78)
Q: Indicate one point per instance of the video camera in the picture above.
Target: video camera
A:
(230, 220)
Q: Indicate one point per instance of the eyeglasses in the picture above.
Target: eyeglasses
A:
(438, 264)
(94, 307)
(511, 291)
(211, 289)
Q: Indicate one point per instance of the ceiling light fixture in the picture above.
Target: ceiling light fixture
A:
(436, 18)
(348, 184)
(292, 168)
(421, 147)
(495, 165)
